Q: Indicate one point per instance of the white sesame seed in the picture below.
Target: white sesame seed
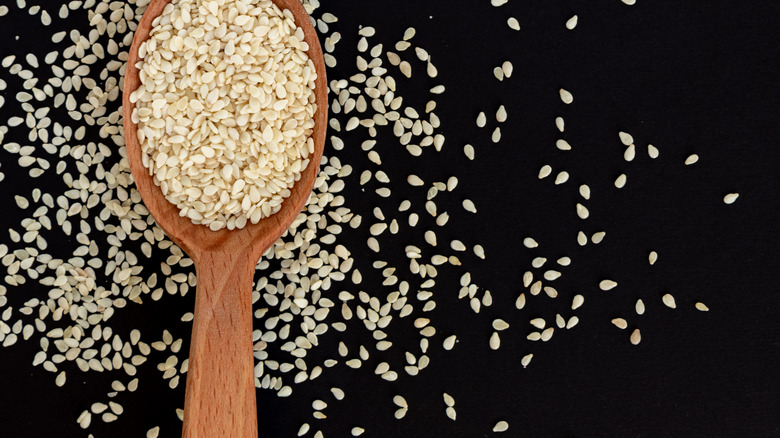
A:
(636, 337)
(566, 96)
(513, 23)
(495, 341)
(630, 153)
(652, 151)
(730, 198)
(652, 257)
(498, 72)
(501, 114)
(563, 145)
(702, 307)
(481, 120)
(639, 307)
(495, 137)
(500, 325)
(507, 68)
(577, 302)
(526, 360)
(626, 138)
(607, 285)
(501, 426)
(520, 302)
(585, 191)
(668, 301)
(691, 159)
(571, 23)
(620, 182)
(620, 323)
(582, 211)
(559, 123)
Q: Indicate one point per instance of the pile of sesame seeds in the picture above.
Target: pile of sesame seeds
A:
(300, 293)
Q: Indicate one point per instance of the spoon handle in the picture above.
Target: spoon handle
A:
(220, 398)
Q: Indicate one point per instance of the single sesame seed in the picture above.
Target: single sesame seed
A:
(636, 337)
(730, 198)
(607, 285)
(620, 323)
(495, 341)
(566, 96)
(577, 302)
(571, 23)
(652, 151)
(669, 301)
(626, 138)
(652, 257)
(501, 426)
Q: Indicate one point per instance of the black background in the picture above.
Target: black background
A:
(688, 77)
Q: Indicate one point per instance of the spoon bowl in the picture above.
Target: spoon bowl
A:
(220, 395)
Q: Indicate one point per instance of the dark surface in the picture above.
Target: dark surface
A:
(688, 77)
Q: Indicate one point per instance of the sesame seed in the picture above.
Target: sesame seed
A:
(566, 97)
(702, 307)
(501, 426)
(668, 301)
(639, 307)
(529, 242)
(607, 285)
(636, 337)
(620, 323)
(652, 257)
(730, 198)
(571, 23)
(577, 302)
(652, 151)
(495, 341)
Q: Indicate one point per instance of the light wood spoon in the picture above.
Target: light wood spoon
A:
(220, 399)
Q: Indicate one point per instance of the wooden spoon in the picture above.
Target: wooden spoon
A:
(220, 399)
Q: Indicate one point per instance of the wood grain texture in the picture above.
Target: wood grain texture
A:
(220, 398)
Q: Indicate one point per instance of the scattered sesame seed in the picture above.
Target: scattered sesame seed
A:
(730, 198)
(607, 284)
(668, 301)
(571, 23)
(501, 426)
(636, 337)
(566, 96)
(620, 323)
